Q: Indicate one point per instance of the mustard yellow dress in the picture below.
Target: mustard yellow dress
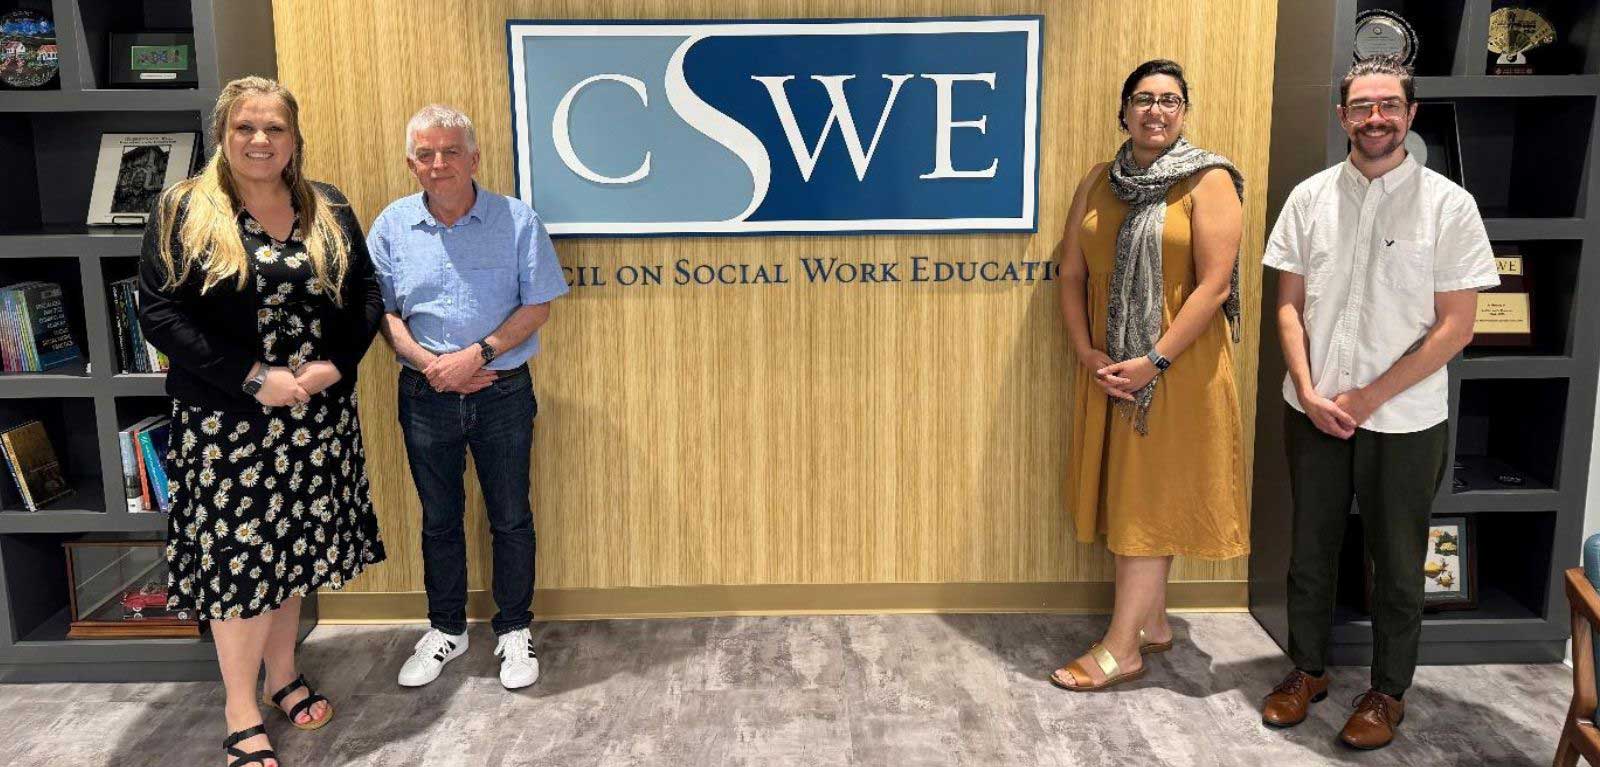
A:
(1180, 489)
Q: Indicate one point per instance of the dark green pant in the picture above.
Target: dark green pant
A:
(1393, 479)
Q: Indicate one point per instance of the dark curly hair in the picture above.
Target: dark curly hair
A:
(1152, 67)
(1378, 65)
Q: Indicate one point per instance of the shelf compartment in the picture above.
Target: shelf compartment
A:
(38, 588)
(1551, 271)
(69, 423)
(1576, 49)
(1513, 559)
(67, 273)
(99, 20)
(49, 162)
(1438, 26)
(129, 411)
(129, 350)
(1512, 424)
(1517, 153)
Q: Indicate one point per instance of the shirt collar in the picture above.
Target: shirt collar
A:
(478, 212)
(1391, 181)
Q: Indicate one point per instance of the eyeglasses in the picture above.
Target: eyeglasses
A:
(451, 155)
(1357, 112)
(1169, 102)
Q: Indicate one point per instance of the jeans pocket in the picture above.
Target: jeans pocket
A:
(412, 383)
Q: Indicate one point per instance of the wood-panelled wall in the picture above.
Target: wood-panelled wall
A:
(799, 434)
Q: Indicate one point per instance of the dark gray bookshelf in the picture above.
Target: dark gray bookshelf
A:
(49, 142)
(1528, 144)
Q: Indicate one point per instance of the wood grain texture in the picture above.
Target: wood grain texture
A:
(798, 434)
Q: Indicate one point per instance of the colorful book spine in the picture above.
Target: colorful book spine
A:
(13, 462)
(130, 471)
(154, 475)
(120, 326)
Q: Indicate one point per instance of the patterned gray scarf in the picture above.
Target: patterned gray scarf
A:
(1133, 319)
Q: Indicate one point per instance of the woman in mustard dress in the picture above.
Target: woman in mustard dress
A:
(1149, 292)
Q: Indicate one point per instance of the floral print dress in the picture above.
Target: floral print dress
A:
(273, 504)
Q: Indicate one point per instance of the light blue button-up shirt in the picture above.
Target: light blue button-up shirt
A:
(453, 285)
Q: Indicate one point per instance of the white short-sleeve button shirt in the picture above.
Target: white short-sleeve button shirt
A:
(1373, 253)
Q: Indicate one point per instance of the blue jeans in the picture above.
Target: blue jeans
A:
(497, 424)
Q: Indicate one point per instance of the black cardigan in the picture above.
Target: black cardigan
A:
(211, 339)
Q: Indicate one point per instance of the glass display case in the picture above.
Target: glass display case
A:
(119, 590)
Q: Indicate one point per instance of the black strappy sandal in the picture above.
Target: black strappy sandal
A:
(303, 706)
(240, 758)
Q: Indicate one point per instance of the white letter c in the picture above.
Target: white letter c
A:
(563, 138)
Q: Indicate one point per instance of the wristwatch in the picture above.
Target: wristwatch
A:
(1161, 363)
(254, 383)
(487, 351)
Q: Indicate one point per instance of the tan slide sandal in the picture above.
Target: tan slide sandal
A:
(1151, 648)
(1081, 680)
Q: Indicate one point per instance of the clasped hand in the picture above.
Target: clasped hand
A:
(459, 372)
(1338, 417)
(1119, 380)
(296, 386)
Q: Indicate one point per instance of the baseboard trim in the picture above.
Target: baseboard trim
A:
(786, 599)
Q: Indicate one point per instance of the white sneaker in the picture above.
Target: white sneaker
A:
(519, 666)
(433, 650)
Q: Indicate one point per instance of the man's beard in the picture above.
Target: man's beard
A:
(1395, 139)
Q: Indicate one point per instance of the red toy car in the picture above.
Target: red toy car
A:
(147, 597)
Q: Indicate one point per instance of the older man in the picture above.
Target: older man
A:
(467, 278)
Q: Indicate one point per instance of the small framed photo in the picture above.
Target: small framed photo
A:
(133, 169)
(1450, 569)
(153, 60)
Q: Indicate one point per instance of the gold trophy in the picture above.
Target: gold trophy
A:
(1512, 33)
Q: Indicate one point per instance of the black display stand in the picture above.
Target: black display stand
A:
(1526, 147)
(49, 142)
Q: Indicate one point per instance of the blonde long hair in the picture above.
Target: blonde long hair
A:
(209, 232)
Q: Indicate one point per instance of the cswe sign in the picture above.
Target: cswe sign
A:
(892, 125)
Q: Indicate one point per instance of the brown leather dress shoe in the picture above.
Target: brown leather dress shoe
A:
(1372, 725)
(1288, 702)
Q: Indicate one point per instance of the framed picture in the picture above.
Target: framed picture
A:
(153, 60)
(1449, 569)
(133, 169)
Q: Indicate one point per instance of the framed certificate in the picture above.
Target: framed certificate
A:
(132, 171)
(153, 60)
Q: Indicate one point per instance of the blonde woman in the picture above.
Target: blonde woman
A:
(256, 283)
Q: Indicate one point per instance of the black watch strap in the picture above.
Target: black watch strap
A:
(487, 351)
(254, 383)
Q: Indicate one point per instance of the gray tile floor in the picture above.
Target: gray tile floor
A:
(836, 690)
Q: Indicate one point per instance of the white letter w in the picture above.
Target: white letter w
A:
(805, 157)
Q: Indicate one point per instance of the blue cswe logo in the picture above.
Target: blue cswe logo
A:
(872, 125)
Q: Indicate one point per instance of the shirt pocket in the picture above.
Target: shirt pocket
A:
(1405, 265)
(490, 290)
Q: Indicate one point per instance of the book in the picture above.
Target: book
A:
(130, 472)
(8, 347)
(153, 444)
(135, 354)
(39, 474)
(119, 324)
(35, 330)
(50, 337)
(141, 472)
